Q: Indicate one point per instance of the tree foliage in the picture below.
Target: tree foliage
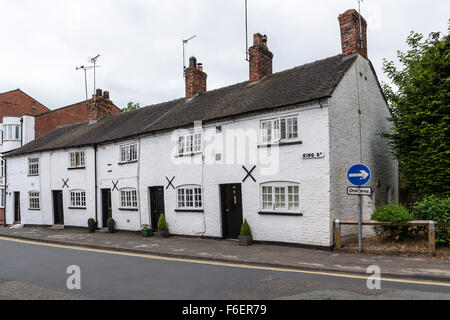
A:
(131, 106)
(419, 103)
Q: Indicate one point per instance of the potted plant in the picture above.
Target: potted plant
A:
(245, 237)
(110, 223)
(146, 230)
(162, 227)
(91, 225)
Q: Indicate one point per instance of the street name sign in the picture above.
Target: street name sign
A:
(358, 191)
(359, 175)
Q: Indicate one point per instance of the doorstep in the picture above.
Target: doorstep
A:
(57, 227)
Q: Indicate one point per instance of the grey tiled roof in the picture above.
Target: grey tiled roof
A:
(298, 85)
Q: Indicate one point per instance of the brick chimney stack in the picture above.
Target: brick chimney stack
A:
(195, 78)
(260, 58)
(353, 40)
(99, 105)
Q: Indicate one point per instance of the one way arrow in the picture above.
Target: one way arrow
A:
(363, 175)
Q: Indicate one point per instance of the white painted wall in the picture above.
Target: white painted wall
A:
(109, 170)
(345, 144)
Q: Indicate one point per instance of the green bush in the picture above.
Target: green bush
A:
(436, 209)
(162, 224)
(245, 229)
(91, 220)
(392, 213)
(110, 219)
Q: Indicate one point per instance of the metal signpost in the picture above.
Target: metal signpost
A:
(359, 175)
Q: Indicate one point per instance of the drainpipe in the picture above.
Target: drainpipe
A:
(4, 209)
(96, 186)
(21, 131)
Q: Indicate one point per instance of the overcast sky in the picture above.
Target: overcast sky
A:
(140, 41)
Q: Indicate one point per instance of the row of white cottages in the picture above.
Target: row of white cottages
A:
(274, 150)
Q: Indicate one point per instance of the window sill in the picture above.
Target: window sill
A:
(281, 144)
(33, 209)
(77, 168)
(33, 175)
(127, 162)
(128, 209)
(191, 154)
(189, 210)
(281, 213)
(77, 208)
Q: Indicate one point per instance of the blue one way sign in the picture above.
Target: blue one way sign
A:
(359, 175)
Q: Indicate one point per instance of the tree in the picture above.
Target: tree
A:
(420, 106)
(131, 106)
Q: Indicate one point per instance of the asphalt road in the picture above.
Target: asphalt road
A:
(31, 271)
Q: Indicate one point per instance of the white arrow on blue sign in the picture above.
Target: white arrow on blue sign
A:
(359, 175)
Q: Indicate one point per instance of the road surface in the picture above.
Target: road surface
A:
(31, 270)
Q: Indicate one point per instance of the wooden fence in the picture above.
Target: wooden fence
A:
(431, 226)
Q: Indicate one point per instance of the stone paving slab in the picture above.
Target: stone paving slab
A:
(230, 251)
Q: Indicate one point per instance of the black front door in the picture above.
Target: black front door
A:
(231, 200)
(58, 211)
(156, 205)
(106, 206)
(16, 206)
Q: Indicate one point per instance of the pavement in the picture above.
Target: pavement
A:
(229, 251)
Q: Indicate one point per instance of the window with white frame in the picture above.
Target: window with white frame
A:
(128, 153)
(2, 168)
(189, 197)
(77, 159)
(78, 199)
(128, 199)
(1, 136)
(12, 132)
(279, 129)
(280, 196)
(190, 143)
(34, 200)
(33, 166)
(2, 197)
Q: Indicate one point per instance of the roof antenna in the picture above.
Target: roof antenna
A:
(246, 32)
(94, 61)
(185, 42)
(361, 40)
(85, 77)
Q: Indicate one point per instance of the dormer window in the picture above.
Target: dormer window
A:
(12, 132)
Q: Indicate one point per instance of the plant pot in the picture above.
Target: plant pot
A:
(245, 240)
(110, 227)
(147, 232)
(163, 233)
(91, 226)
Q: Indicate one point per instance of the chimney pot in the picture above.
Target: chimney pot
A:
(192, 62)
(106, 94)
(98, 93)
